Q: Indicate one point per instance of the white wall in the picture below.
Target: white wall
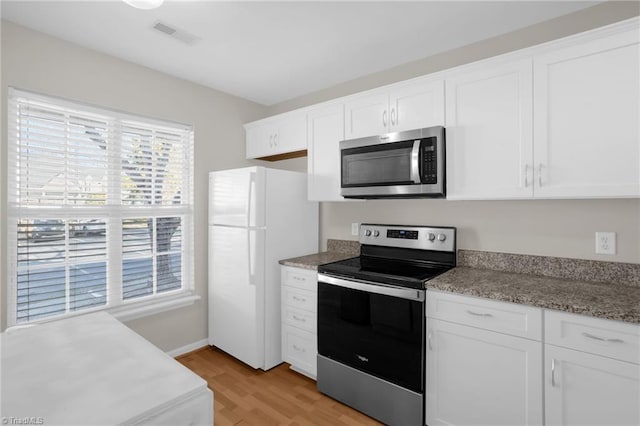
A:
(37, 62)
(564, 228)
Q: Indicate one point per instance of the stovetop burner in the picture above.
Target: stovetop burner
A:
(405, 256)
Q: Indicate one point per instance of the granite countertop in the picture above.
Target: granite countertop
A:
(336, 250)
(617, 299)
(599, 289)
(312, 261)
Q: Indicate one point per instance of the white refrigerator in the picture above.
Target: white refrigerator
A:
(257, 216)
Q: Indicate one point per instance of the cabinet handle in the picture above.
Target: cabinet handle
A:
(299, 278)
(275, 140)
(299, 319)
(602, 339)
(270, 141)
(393, 116)
(429, 341)
(384, 118)
(540, 174)
(299, 299)
(553, 372)
(478, 314)
(526, 175)
(299, 349)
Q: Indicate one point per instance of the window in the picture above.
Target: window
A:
(100, 209)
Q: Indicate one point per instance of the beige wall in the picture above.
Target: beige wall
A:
(36, 62)
(564, 228)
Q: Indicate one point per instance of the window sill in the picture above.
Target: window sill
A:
(139, 310)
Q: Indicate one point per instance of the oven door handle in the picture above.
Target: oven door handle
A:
(371, 287)
(415, 162)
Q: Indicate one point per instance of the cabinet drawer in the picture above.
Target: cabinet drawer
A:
(299, 299)
(305, 279)
(305, 320)
(300, 349)
(599, 336)
(503, 317)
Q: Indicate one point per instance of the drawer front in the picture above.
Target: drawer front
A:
(304, 279)
(502, 317)
(300, 349)
(299, 299)
(305, 320)
(613, 339)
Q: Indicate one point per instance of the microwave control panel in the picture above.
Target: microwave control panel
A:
(429, 173)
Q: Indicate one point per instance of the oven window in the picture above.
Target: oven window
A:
(379, 334)
(377, 165)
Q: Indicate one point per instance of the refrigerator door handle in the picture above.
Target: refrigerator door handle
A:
(252, 182)
(250, 268)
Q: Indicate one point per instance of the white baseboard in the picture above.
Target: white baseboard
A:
(188, 348)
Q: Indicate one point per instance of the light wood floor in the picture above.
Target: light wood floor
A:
(244, 396)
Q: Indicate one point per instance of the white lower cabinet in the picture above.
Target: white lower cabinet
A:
(592, 371)
(299, 319)
(475, 376)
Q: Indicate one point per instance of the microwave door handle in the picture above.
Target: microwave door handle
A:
(415, 162)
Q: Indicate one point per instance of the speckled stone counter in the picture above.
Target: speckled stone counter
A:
(554, 267)
(603, 300)
(336, 250)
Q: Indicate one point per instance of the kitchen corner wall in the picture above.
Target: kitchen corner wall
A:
(40, 63)
(563, 228)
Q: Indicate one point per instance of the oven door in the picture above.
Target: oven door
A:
(373, 328)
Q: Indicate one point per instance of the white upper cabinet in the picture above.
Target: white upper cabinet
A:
(587, 117)
(281, 134)
(326, 130)
(489, 131)
(563, 122)
(405, 106)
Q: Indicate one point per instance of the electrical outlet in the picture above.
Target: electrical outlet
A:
(605, 243)
(355, 229)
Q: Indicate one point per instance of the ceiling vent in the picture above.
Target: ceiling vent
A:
(175, 33)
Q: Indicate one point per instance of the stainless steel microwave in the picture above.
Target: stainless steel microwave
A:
(406, 164)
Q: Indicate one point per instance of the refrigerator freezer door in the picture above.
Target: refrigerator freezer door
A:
(237, 197)
(236, 292)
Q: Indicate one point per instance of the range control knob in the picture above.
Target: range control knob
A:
(376, 233)
(442, 237)
(367, 233)
(431, 236)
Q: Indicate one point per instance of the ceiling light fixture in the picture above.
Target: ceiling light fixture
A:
(144, 4)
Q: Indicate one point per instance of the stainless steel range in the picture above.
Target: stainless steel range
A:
(371, 320)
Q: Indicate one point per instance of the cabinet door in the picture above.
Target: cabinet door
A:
(476, 377)
(326, 130)
(489, 132)
(416, 105)
(260, 139)
(291, 134)
(584, 389)
(587, 139)
(367, 115)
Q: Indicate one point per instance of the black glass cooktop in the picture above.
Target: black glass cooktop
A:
(412, 274)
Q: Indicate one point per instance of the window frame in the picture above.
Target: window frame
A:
(114, 211)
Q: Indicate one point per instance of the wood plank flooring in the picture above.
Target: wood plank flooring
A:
(244, 396)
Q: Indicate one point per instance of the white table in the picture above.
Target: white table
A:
(93, 370)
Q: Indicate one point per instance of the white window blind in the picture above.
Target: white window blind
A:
(100, 208)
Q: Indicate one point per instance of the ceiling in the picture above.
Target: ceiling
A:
(269, 52)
